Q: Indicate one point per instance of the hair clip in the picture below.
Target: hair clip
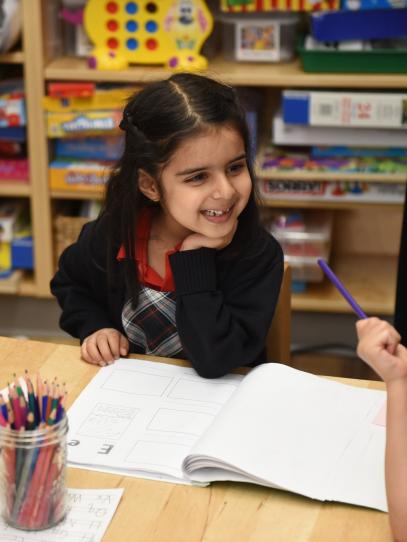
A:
(125, 122)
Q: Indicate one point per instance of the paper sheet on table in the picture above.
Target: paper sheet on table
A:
(89, 514)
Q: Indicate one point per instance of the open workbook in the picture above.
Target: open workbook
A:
(277, 427)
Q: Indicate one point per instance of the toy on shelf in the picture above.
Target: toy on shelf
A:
(98, 112)
(247, 6)
(12, 103)
(332, 191)
(10, 24)
(169, 32)
(279, 161)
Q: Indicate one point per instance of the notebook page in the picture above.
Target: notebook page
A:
(143, 417)
(361, 467)
(287, 428)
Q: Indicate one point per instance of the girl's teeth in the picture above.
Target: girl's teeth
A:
(211, 212)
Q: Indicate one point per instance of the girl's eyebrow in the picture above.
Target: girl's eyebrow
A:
(201, 168)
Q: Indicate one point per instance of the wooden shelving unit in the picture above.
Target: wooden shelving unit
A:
(13, 57)
(333, 205)
(328, 176)
(371, 279)
(14, 189)
(288, 74)
(76, 194)
(19, 283)
(370, 276)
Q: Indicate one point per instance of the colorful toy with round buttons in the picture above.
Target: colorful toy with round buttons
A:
(169, 32)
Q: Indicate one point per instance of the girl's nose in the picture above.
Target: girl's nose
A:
(224, 189)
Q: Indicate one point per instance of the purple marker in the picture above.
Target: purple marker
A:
(338, 284)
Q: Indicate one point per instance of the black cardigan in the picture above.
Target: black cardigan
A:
(223, 307)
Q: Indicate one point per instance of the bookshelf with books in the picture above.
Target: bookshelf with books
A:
(353, 253)
(24, 185)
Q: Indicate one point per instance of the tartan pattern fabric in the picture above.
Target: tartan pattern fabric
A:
(151, 326)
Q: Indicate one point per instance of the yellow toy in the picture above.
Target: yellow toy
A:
(169, 32)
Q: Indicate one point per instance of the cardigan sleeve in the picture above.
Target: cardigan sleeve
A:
(80, 284)
(224, 308)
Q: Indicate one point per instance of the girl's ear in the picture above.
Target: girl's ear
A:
(148, 186)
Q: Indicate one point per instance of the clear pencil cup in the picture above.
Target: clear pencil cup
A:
(32, 476)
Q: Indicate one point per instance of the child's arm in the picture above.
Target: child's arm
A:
(81, 288)
(379, 347)
(225, 306)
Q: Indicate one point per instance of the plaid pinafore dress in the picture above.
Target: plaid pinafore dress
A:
(151, 327)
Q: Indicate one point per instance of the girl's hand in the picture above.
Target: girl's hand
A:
(196, 240)
(379, 345)
(104, 346)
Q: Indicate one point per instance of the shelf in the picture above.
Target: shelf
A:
(309, 204)
(77, 194)
(370, 279)
(323, 176)
(14, 57)
(27, 287)
(18, 283)
(14, 189)
(236, 73)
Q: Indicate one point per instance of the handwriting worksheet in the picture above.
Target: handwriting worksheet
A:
(89, 514)
(141, 419)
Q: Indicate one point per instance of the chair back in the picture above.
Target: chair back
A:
(278, 342)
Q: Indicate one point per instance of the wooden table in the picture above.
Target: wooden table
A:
(222, 512)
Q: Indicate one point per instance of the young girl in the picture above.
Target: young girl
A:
(379, 345)
(177, 264)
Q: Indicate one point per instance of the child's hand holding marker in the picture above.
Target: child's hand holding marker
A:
(379, 346)
(379, 343)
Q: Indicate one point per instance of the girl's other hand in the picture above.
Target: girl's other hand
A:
(197, 240)
(379, 345)
(104, 347)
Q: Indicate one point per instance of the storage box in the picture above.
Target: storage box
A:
(83, 123)
(90, 148)
(338, 191)
(249, 37)
(304, 238)
(297, 134)
(5, 259)
(76, 175)
(335, 61)
(12, 103)
(14, 170)
(22, 253)
(66, 232)
(358, 109)
(359, 25)
(260, 6)
(372, 4)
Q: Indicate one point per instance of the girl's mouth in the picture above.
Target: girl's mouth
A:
(218, 216)
(216, 212)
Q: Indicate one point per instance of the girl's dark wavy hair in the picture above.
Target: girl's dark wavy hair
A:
(156, 121)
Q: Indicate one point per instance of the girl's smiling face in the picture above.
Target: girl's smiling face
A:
(206, 185)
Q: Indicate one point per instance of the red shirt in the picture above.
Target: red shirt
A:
(146, 274)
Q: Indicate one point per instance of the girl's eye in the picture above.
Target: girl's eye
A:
(235, 169)
(198, 178)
